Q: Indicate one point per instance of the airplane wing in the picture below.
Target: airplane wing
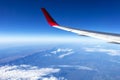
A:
(109, 37)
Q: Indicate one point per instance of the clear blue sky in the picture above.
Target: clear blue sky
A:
(24, 18)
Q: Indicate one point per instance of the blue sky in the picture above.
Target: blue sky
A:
(23, 18)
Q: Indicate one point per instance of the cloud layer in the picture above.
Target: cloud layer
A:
(26, 72)
(112, 52)
(76, 67)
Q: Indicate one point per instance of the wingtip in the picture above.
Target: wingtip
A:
(49, 19)
(43, 9)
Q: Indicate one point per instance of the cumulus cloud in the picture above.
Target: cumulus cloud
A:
(63, 52)
(76, 66)
(112, 52)
(26, 72)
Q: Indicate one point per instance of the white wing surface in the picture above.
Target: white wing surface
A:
(109, 37)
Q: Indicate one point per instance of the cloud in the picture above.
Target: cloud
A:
(63, 52)
(50, 78)
(26, 72)
(76, 66)
(66, 54)
(54, 78)
(115, 61)
(112, 52)
(85, 68)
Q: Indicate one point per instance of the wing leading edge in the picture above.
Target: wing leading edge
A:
(109, 37)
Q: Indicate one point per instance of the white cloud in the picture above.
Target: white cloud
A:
(26, 72)
(112, 52)
(85, 68)
(54, 78)
(77, 67)
(66, 54)
(50, 78)
(63, 52)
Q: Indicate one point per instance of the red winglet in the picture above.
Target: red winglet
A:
(49, 19)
